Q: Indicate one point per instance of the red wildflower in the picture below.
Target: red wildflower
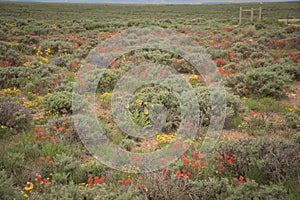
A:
(196, 153)
(90, 181)
(177, 174)
(129, 180)
(42, 158)
(201, 162)
(247, 179)
(101, 179)
(219, 157)
(97, 179)
(245, 89)
(221, 166)
(241, 178)
(38, 178)
(45, 180)
(229, 159)
(220, 69)
(51, 162)
(52, 138)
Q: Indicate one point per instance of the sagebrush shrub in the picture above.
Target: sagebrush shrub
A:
(263, 82)
(13, 114)
(275, 160)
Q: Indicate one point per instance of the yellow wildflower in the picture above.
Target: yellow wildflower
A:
(139, 101)
(146, 111)
(105, 94)
(28, 103)
(26, 64)
(193, 76)
(29, 186)
(44, 59)
(54, 26)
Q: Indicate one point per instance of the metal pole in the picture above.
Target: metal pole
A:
(251, 14)
(240, 20)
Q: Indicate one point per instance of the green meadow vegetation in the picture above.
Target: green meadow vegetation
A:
(42, 47)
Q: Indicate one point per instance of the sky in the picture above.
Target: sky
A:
(156, 1)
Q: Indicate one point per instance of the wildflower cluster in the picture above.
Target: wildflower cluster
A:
(294, 56)
(60, 126)
(43, 159)
(5, 63)
(26, 189)
(40, 134)
(10, 91)
(165, 137)
(240, 180)
(183, 173)
(39, 181)
(42, 56)
(92, 181)
(195, 161)
(221, 161)
(125, 181)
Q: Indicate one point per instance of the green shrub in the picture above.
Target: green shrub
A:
(262, 82)
(61, 103)
(9, 54)
(31, 77)
(7, 189)
(252, 190)
(285, 66)
(296, 138)
(292, 119)
(233, 104)
(127, 144)
(210, 188)
(160, 186)
(155, 95)
(14, 115)
(108, 80)
(274, 160)
(89, 169)
(65, 167)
